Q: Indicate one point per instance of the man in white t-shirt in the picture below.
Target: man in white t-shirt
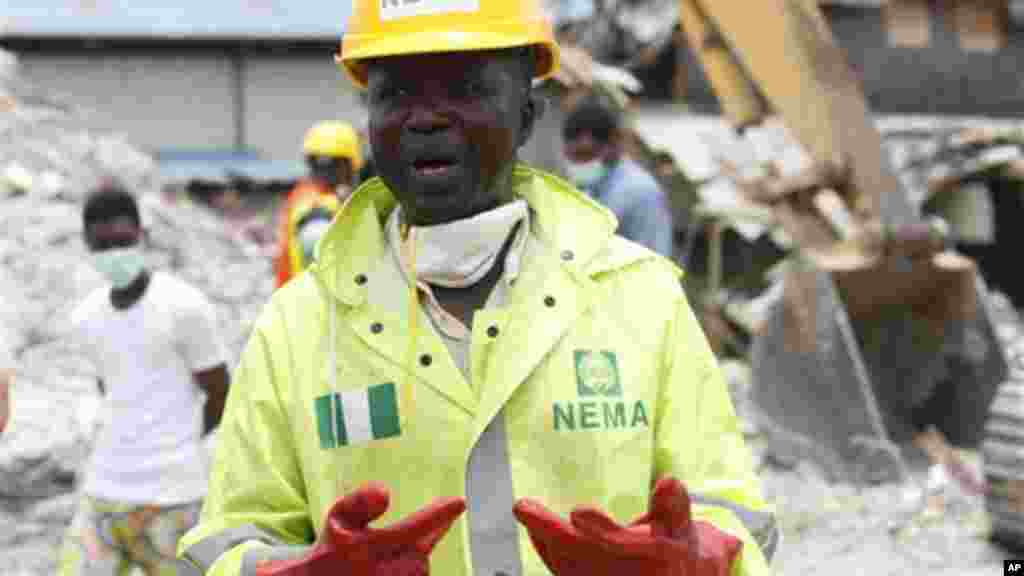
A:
(154, 341)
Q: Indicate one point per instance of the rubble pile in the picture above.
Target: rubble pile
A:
(49, 159)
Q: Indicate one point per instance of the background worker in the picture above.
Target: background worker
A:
(474, 336)
(154, 342)
(593, 145)
(332, 152)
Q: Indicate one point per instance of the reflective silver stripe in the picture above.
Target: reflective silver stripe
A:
(769, 541)
(761, 525)
(253, 557)
(182, 568)
(493, 532)
(205, 552)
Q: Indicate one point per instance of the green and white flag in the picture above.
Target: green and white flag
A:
(357, 416)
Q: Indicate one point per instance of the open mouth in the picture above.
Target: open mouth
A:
(434, 166)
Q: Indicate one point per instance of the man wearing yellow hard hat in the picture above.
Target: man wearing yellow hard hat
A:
(333, 154)
(475, 364)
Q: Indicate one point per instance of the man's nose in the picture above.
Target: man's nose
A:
(428, 115)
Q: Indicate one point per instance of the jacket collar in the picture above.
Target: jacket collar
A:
(355, 241)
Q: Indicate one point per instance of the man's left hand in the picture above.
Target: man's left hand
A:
(663, 542)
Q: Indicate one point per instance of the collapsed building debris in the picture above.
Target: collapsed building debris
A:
(49, 159)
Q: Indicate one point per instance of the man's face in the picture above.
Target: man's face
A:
(346, 174)
(445, 128)
(332, 171)
(119, 232)
(585, 148)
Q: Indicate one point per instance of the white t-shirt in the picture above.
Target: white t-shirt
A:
(149, 449)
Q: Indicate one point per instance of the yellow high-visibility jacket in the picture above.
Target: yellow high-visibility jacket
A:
(594, 380)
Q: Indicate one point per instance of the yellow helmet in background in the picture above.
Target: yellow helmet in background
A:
(400, 27)
(334, 139)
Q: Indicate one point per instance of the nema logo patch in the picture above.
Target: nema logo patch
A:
(600, 390)
(598, 415)
(597, 373)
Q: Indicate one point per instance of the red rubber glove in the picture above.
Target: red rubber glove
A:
(350, 547)
(662, 542)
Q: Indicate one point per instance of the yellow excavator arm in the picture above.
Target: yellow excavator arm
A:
(779, 57)
(874, 316)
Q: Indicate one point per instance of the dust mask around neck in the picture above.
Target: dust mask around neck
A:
(458, 254)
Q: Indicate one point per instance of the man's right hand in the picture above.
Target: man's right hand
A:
(349, 547)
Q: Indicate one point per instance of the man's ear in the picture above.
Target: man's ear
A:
(534, 107)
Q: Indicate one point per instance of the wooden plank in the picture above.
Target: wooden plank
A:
(980, 24)
(737, 97)
(907, 23)
(796, 63)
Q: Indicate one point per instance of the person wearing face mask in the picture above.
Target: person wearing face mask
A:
(154, 342)
(333, 154)
(474, 352)
(592, 139)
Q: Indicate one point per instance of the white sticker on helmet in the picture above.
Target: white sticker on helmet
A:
(393, 9)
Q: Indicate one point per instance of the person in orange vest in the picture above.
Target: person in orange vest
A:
(334, 158)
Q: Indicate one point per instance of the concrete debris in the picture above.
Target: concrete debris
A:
(49, 159)
(617, 31)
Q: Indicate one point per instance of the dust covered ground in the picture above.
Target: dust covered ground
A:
(838, 529)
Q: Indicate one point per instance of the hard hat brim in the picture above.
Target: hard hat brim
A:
(356, 51)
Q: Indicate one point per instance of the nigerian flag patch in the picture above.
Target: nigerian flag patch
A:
(357, 416)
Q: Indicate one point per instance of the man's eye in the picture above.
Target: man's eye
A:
(468, 89)
(476, 88)
(392, 93)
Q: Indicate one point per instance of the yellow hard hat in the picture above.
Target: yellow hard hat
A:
(397, 27)
(334, 139)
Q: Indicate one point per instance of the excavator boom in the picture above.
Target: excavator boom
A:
(850, 350)
(785, 51)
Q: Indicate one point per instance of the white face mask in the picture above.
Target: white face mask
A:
(587, 174)
(310, 234)
(121, 266)
(460, 253)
